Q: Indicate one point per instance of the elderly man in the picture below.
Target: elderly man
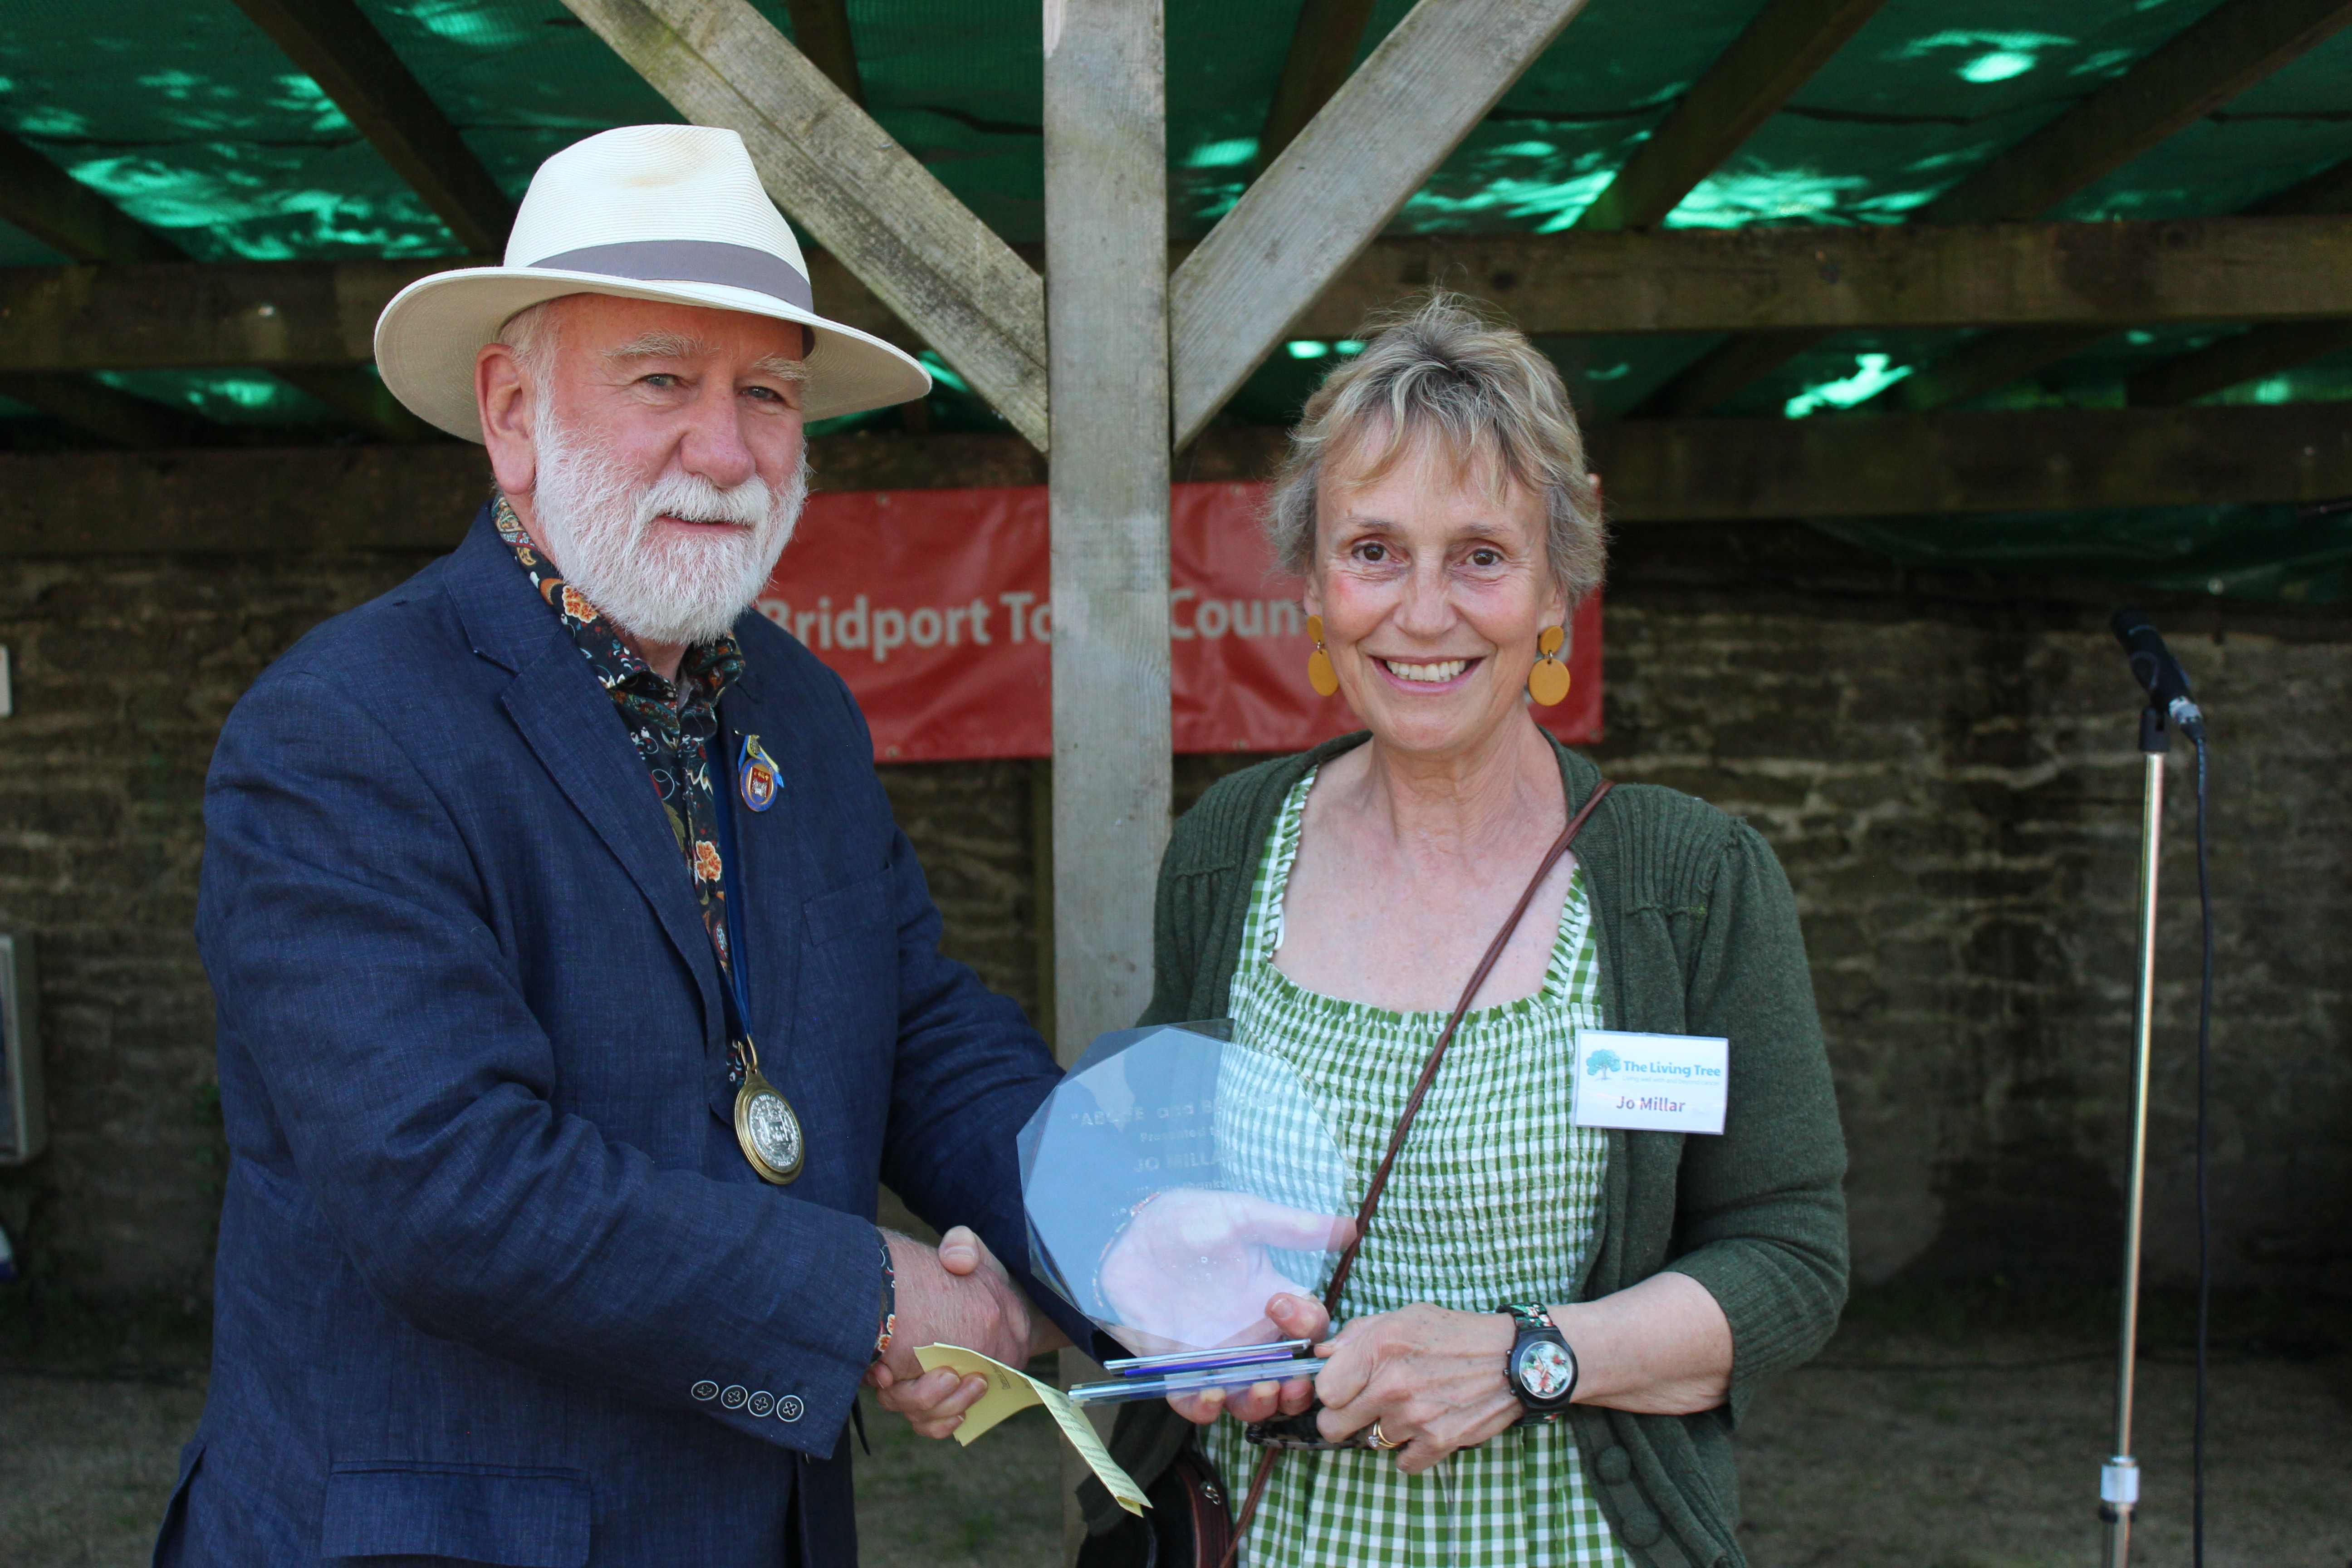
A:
(576, 989)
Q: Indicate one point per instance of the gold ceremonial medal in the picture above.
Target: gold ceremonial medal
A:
(766, 1125)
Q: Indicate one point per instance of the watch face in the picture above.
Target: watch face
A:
(1544, 1370)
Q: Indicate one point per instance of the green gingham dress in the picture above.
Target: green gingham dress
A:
(1493, 1199)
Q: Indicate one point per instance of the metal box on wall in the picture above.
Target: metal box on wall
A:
(24, 1120)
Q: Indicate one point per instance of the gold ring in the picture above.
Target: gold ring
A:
(1381, 1439)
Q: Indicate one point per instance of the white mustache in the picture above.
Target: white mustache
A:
(690, 497)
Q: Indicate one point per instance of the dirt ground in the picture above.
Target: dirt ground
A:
(1969, 1450)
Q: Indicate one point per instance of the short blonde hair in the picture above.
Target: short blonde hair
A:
(1441, 370)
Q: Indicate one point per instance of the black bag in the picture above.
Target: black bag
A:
(1186, 1525)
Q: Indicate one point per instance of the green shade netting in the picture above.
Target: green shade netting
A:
(186, 115)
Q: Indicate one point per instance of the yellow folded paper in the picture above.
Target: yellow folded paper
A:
(1009, 1391)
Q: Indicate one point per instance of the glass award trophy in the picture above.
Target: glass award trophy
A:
(1173, 1182)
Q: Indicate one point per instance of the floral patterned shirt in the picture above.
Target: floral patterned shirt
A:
(672, 724)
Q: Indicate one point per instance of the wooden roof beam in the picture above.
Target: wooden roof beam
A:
(1322, 48)
(88, 404)
(335, 46)
(820, 28)
(74, 220)
(1900, 465)
(1760, 70)
(2209, 62)
(1999, 357)
(2201, 67)
(68, 215)
(2254, 356)
(850, 185)
(2264, 351)
(1985, 361)
(353, 392)
(2329, 191)
(2108, 275)
(1656, 471)
(188, 315)
(2102, 276)
(1321, 201)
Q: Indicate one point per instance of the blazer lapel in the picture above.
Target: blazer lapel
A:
(569, 720)
(769, 878)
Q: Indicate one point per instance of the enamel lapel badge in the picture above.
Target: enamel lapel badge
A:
(757, 775)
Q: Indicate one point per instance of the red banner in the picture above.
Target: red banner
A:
(932, 605)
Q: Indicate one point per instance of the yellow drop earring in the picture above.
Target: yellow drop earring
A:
(1320, 673)
(1548, 683)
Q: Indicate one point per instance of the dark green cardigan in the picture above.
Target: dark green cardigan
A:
(1698, 934)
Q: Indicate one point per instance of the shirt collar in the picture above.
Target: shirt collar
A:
(705, 672)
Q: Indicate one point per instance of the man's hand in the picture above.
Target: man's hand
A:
(959, 1295)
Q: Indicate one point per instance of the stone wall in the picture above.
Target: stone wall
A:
(1946, 766)
(124, 669)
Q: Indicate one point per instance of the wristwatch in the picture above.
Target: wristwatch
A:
(1542, 1368)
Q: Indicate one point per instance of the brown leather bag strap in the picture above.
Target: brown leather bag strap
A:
(1437, 1052)
(1206, 1551)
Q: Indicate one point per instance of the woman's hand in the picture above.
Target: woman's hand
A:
(1191, 1269)
(1432, 1377)
(1293, 1318)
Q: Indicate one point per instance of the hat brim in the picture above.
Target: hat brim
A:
(427, 339)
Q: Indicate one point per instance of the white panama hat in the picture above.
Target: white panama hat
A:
(646, 211)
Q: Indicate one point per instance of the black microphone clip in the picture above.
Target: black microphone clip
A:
(2158, 672)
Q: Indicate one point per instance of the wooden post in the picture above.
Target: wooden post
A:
(1107, 357)
(1107, 351)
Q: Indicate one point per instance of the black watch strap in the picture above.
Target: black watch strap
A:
(1539, 1347)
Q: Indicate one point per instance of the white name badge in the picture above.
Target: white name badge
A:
(1653, 1083)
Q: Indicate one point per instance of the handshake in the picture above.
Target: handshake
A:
(958, 1295)
(1193, 1268)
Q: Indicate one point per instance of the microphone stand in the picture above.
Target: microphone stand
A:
(2119, 1476)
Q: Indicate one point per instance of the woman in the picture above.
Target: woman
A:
(1334, 904)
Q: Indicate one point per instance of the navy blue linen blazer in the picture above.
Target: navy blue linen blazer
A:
(494, 1282)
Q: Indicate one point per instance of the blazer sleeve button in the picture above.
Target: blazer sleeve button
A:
(706, 1390)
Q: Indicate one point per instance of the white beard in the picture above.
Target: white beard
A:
(596, 522)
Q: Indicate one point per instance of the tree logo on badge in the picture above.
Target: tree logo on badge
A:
(1601, 1063)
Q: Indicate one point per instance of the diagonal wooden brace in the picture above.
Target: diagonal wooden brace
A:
(849, 184)
(1323, 198)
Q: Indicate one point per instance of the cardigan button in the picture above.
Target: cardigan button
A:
(1642, 1527)
(1615, 1464)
